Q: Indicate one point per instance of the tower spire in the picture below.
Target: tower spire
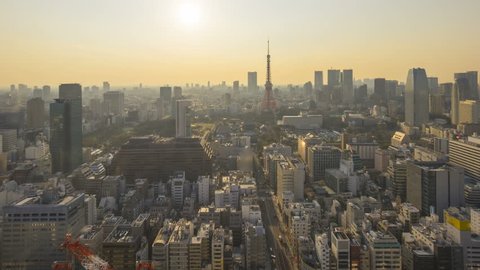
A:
(268, 102)
(268, 62)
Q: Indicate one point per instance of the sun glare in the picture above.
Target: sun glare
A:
(189, 14)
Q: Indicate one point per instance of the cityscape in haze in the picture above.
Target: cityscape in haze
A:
(239, 135)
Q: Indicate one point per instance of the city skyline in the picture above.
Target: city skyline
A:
(155, 42)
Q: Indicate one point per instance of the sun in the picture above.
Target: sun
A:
(189, 14)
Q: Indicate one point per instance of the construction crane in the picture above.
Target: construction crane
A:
(86, 257)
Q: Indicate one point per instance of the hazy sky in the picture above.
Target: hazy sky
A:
(159, 41)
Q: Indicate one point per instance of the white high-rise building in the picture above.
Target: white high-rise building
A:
(204, 190)
(183, 129)
(177, 184)
(291, 178)
(416, 97)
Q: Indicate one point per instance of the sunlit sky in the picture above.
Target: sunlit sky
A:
(158, 42)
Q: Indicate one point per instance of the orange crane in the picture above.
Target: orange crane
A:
(86, 257)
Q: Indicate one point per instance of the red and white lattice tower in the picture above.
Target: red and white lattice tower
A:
(268, 102)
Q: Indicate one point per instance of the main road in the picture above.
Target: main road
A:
(270, 221)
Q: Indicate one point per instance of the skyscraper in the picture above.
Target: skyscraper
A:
(347, 86)
(66, 129)
(318, 80)
(268, 102)
(106, 86)
(183, 119)
(380, 89)
(472, 78)
(35, 113)
(416, 97)
(165, 100)
(455, 103)
(333, 78)
(236, 87)
(252, 82)
(113, 102)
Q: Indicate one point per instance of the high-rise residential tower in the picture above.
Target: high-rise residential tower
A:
(455, 103)
(416, 97)
(252, 82)
(182, 118)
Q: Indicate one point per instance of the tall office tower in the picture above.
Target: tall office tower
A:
(166, 93)
(472, 78)
(458, 156)
(384, 251)
(334, 78)
(463, 86)
(397, 172)
(290, 178)
(70, 91)
(436, 104)
(177, 183)
(252, 82)
(166, 100)
(113, 102)
(318, 80)
(35, 113)
(347, 86)
(391, 89)
(66, 129)
(380, 89)
(455, 103)
(34, 228)
(434, 185)
(469, 112)
(177, 92)
(433, 85)
(236, 87)
(106, 86)
(361, 93)
(37, 93)
(203, 196)
(218, 249)
(416, 98)
(182, 119)
(46, 92)
(446, 89)
(255, 246)
(321, 158)
(268, 102)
